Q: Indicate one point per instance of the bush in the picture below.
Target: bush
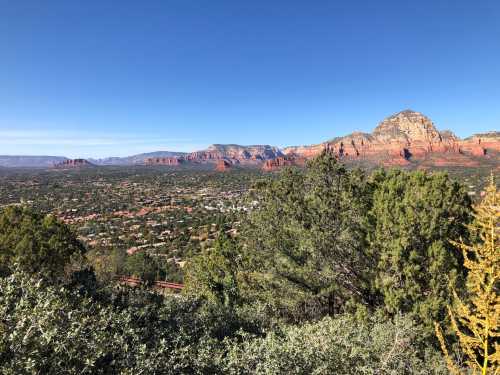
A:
(48, 330)
(341, 345)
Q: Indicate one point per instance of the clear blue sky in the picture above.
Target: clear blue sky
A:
(101, 78)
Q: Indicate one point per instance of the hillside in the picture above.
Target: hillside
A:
(26, 161)
(136, 159)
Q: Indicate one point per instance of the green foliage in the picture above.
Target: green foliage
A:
(36, 243)
(328, 239)
(317, 245)
(213, 274)
(46, 330)
(414, 215)
(476, 318)
(342, 345)
(305, 243)
(143, 266)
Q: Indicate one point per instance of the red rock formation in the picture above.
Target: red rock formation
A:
(223, 165)
(282, 161)
(405, 138)
(236, 154)
(73, 164)
(477, 151)
(164, 161)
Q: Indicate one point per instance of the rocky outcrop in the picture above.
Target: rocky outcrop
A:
(73, 164)
(404, 138)
(282, 161)
(236, 154)
(170, 161)
(223, 165)
(482, 144)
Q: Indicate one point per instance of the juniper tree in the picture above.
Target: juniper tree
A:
(413, 216)
(36, 242)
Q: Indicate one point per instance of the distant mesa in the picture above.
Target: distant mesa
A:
(246, 155)
(136, 159)
(222, 156)
(73, 164)
(169, 161)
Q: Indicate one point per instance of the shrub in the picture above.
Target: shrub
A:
(341, 345)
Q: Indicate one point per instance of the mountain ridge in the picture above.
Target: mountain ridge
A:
(403, 138)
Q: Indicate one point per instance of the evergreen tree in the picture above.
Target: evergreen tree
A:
(35, 242)
(305, 242)
(476, 319)
(413, 215)
(213, 273)
(143, 266)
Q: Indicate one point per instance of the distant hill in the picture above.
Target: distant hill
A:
(21, 161)
(136, 159)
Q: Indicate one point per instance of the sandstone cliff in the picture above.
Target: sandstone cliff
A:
(283, 161)
(406, 138)
(223, 165)
(171, 161)
(236, 154)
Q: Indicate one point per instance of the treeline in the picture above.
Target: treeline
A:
(334, 271)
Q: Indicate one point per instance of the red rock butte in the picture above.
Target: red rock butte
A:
(282, 161)
(73, 164)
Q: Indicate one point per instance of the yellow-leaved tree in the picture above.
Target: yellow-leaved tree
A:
(476, 318)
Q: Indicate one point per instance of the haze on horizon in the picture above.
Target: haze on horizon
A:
(107, 78)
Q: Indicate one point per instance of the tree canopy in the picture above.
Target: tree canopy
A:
(413, 216)
(305, 243)
(35, 242)
(327, 239)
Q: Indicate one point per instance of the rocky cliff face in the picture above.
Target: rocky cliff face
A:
(282, 161)
(73, 164)
(171, 161)
(223, 165)
(406, 127)
(236, 154)
(405, 138)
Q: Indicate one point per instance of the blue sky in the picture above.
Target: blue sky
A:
(113, 78)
